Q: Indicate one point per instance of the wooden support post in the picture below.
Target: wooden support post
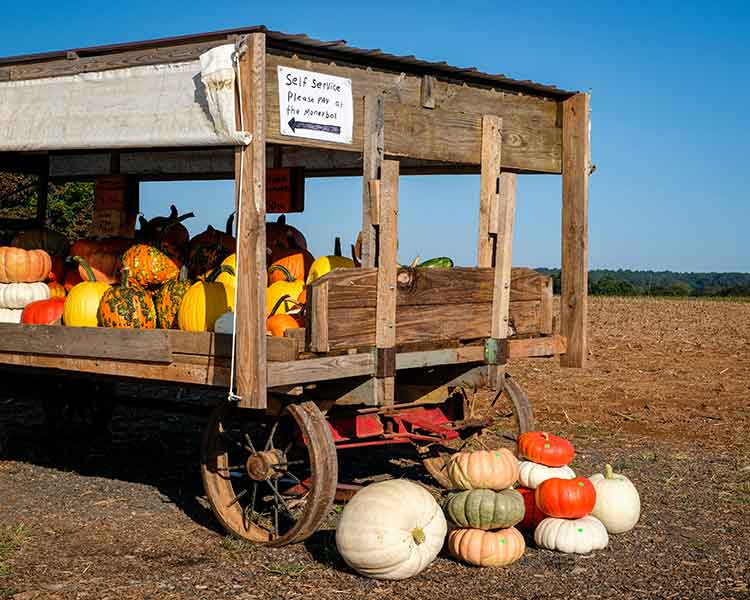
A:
(575, 208)
(42, 193)
(250, 178)
(385, 333)
(372, 156)
(488, 185)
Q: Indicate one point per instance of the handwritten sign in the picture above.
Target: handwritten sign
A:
(285, 189)
(315, 105)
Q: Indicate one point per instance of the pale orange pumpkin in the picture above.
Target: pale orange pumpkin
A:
(486, 548)
(23, 266)
(489, 469)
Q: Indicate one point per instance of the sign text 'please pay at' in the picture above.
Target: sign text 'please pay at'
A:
(315, 105)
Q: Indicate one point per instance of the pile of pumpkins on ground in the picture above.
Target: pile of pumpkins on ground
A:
(161, 279)
(395, 529)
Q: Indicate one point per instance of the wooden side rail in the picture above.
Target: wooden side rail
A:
(432, 304)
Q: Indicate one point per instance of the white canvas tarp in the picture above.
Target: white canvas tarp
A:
(170, 105)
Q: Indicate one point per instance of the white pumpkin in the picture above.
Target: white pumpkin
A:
(391, 530)
(532, 475)
(10, 315)
(18, 295)
(618, 504)
(579, 536)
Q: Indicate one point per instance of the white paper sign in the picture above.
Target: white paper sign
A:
(315, 105)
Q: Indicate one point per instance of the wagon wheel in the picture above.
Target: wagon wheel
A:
(270, 480)
(524, 419)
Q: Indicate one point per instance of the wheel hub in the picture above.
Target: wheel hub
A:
(262, 466)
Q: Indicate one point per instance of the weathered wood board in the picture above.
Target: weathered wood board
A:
(432, 304)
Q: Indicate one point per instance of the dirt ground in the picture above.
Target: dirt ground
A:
(666, 400)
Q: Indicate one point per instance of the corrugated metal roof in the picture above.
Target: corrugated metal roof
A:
(336, 49)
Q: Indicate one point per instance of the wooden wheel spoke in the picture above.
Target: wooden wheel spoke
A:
(269, 443)
(237, 498)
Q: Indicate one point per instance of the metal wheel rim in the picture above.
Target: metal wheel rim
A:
(324, 474)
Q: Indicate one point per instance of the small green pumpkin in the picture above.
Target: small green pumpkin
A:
(485, 509)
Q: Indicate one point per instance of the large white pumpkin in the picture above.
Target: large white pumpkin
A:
(579, 536)
(532, 475)
(391, 530)
(18, 295)
(618, 504)
(10, 315)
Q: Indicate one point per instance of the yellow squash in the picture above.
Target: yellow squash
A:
(281, 297)
(203, 303)
(324, 264)
(82, 304)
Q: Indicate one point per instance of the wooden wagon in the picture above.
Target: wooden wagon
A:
(385, 348)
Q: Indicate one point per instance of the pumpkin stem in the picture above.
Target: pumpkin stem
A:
(545, 435)
(230, 224)
(418, 534)
(276, 306)
(337, 246)
(609, 472)
(218, 271)
(287, 273)
(124, 275)
(183, 276)
(86, 268)
(355, 260)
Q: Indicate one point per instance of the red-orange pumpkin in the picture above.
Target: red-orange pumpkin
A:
(546, 449)
(532, 516)
(43, 312)
(104, 265)
(566, 498)
(23, 266)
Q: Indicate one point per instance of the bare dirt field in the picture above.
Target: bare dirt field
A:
(666, 400)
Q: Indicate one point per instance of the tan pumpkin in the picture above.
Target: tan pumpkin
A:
(489, 469)
(23, 266)
(486, 548)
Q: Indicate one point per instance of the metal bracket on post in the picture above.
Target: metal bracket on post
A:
(385, 362)
(495, 351)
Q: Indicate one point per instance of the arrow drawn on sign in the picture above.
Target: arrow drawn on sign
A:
(295, 125)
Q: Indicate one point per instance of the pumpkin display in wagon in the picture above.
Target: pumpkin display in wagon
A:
(167, 230)
(49, 240)
(168, 297)
(485, 509)
(486, 548)
(546, 449)
(203, 304)
(82, 302)
(18, 295)
(150, 265)
(566, 498)
(43, 312)
(23, 266)
(489, 469)
(127, 306)
(209, 248)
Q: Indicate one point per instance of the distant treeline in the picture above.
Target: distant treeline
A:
(623, 282)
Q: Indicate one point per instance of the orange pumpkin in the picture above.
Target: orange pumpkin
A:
(104, 265)
(487, 548)
(290, 263)
(56, 290)
(276, 325)
(489, 469)
(546, 449)
(43, 312)
(23, 266)
(85, 248)
(566, 498)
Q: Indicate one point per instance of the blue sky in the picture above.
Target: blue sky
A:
(669, 85)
